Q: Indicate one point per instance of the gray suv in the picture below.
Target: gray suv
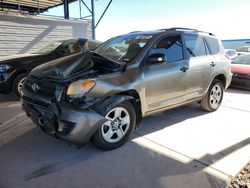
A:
(104, 94)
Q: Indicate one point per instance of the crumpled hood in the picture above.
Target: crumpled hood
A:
(65, 67)
(16, 57)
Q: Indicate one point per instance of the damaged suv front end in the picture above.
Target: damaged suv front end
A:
(54, 96)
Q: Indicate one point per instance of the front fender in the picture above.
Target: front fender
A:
(111, 101)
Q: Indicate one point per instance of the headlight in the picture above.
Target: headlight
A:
(80, 88)
(4, 68)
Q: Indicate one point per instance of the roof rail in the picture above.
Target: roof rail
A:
(182, 28)
(189, 29)
(134, 31)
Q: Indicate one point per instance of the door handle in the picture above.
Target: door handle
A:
(183, 69)
(212, 64)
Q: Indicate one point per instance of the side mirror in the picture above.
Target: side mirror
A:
(156, 58)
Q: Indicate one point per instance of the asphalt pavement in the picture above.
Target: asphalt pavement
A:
(10, 107)
(183, 147)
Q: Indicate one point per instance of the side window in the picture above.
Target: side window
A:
(171, 47)
(213, 45)
(195, 46)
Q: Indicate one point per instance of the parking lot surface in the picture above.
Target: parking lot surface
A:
(183, 147)
(9, 108)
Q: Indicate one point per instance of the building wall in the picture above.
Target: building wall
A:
(24, 34)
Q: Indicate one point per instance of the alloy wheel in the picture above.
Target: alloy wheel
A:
(215, 96)
(117, 125)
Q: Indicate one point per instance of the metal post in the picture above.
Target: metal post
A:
(93, 18)
(86, 6)
(19, 8)
(38, 7)
(2, 4)
(66, 9)
(80, 8)
(103, 13)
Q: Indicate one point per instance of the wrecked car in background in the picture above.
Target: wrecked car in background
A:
(240, 67)
(104, 94)
(15, 69)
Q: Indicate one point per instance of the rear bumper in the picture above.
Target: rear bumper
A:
(62, 120)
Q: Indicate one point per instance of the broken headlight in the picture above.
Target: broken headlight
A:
(80, 88)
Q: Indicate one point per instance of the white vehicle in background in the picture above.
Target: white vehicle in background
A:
(243, 50)
(231, 53)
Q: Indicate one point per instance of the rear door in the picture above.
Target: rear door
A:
(202, 65)
(166, 83)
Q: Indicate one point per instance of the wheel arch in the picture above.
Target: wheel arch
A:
(136, 102)
(222, 78)
(129, 95)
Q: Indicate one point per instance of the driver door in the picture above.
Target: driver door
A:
(166, 82)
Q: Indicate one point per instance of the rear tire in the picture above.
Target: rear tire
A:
(18, 83)
(115, 132)
(214, 96)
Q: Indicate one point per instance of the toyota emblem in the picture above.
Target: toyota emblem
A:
(35, 87)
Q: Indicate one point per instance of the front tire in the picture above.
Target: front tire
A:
(18, 83)
(117, 130)
(214, 96)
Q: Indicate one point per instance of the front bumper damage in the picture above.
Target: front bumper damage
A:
(61, 119)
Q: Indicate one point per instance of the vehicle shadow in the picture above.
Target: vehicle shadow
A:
(167, 118)
(237, 91)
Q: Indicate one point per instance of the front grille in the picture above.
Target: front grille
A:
(46, 109)
(35, 102)
(42, 114)
(41, 87)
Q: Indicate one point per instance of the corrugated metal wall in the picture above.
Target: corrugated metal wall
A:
(22, 34)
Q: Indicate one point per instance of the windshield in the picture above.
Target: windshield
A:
(123, 48)
(51, 46)
(242, 59)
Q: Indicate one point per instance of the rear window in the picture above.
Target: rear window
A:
(213, 45)
(195, 45)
